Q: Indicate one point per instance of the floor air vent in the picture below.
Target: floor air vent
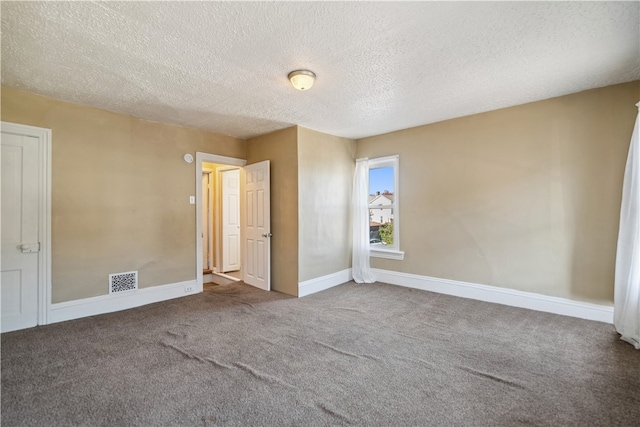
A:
(123, 282)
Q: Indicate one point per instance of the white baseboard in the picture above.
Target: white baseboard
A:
(318, 284)
(76, 309)
(228, 276)
(223, 279)
(69, 310)
(512, 297)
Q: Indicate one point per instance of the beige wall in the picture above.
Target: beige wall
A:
(281, 149)
(325, 177)
(120, 193)
(526, 197)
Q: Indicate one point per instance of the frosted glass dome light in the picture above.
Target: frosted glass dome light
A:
(302, 79)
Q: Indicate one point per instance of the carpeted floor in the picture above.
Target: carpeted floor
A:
(375, 355)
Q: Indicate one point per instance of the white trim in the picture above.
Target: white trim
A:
(222, 160)
(388, 254)
(318, 284)
(382, 162)
(505, 296)
(115, 302)
(44, 212)
(223, 279)
(210, 177)
(227, 276)
(210, 158)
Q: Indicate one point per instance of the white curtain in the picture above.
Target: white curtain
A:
(360, 263)
(626, 310)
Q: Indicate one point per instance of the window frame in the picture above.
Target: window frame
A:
(393, 252)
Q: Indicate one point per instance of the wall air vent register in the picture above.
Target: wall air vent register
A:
(123, 282)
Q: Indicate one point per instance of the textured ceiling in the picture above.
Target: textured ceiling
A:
(381, 66)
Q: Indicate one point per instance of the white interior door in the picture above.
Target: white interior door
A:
(257, 226)
(20, 245)
(230, 220)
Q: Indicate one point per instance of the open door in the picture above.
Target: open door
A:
(257, 226)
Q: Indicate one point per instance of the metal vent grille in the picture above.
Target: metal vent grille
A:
(123, 282)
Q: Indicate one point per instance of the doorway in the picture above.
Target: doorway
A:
(220, 212)
(236, 241)
(221, 226)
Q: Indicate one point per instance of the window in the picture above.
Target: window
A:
(384, 234)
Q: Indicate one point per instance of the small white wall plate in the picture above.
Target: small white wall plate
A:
(188, 158)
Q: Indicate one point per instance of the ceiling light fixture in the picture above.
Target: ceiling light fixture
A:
(302, 79)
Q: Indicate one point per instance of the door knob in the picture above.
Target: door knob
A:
(267, 235)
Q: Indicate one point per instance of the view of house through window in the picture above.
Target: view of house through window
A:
(381, 206)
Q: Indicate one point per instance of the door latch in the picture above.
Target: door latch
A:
(29, 248)
(267, 235)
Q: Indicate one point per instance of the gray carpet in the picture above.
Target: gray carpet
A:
(376, 355)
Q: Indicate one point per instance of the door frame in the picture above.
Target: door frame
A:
(211, 210)
(44, 211)
(209, 158)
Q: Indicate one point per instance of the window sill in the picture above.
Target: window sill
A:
(386, 253)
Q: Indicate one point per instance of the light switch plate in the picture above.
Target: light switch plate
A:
(192, 200)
